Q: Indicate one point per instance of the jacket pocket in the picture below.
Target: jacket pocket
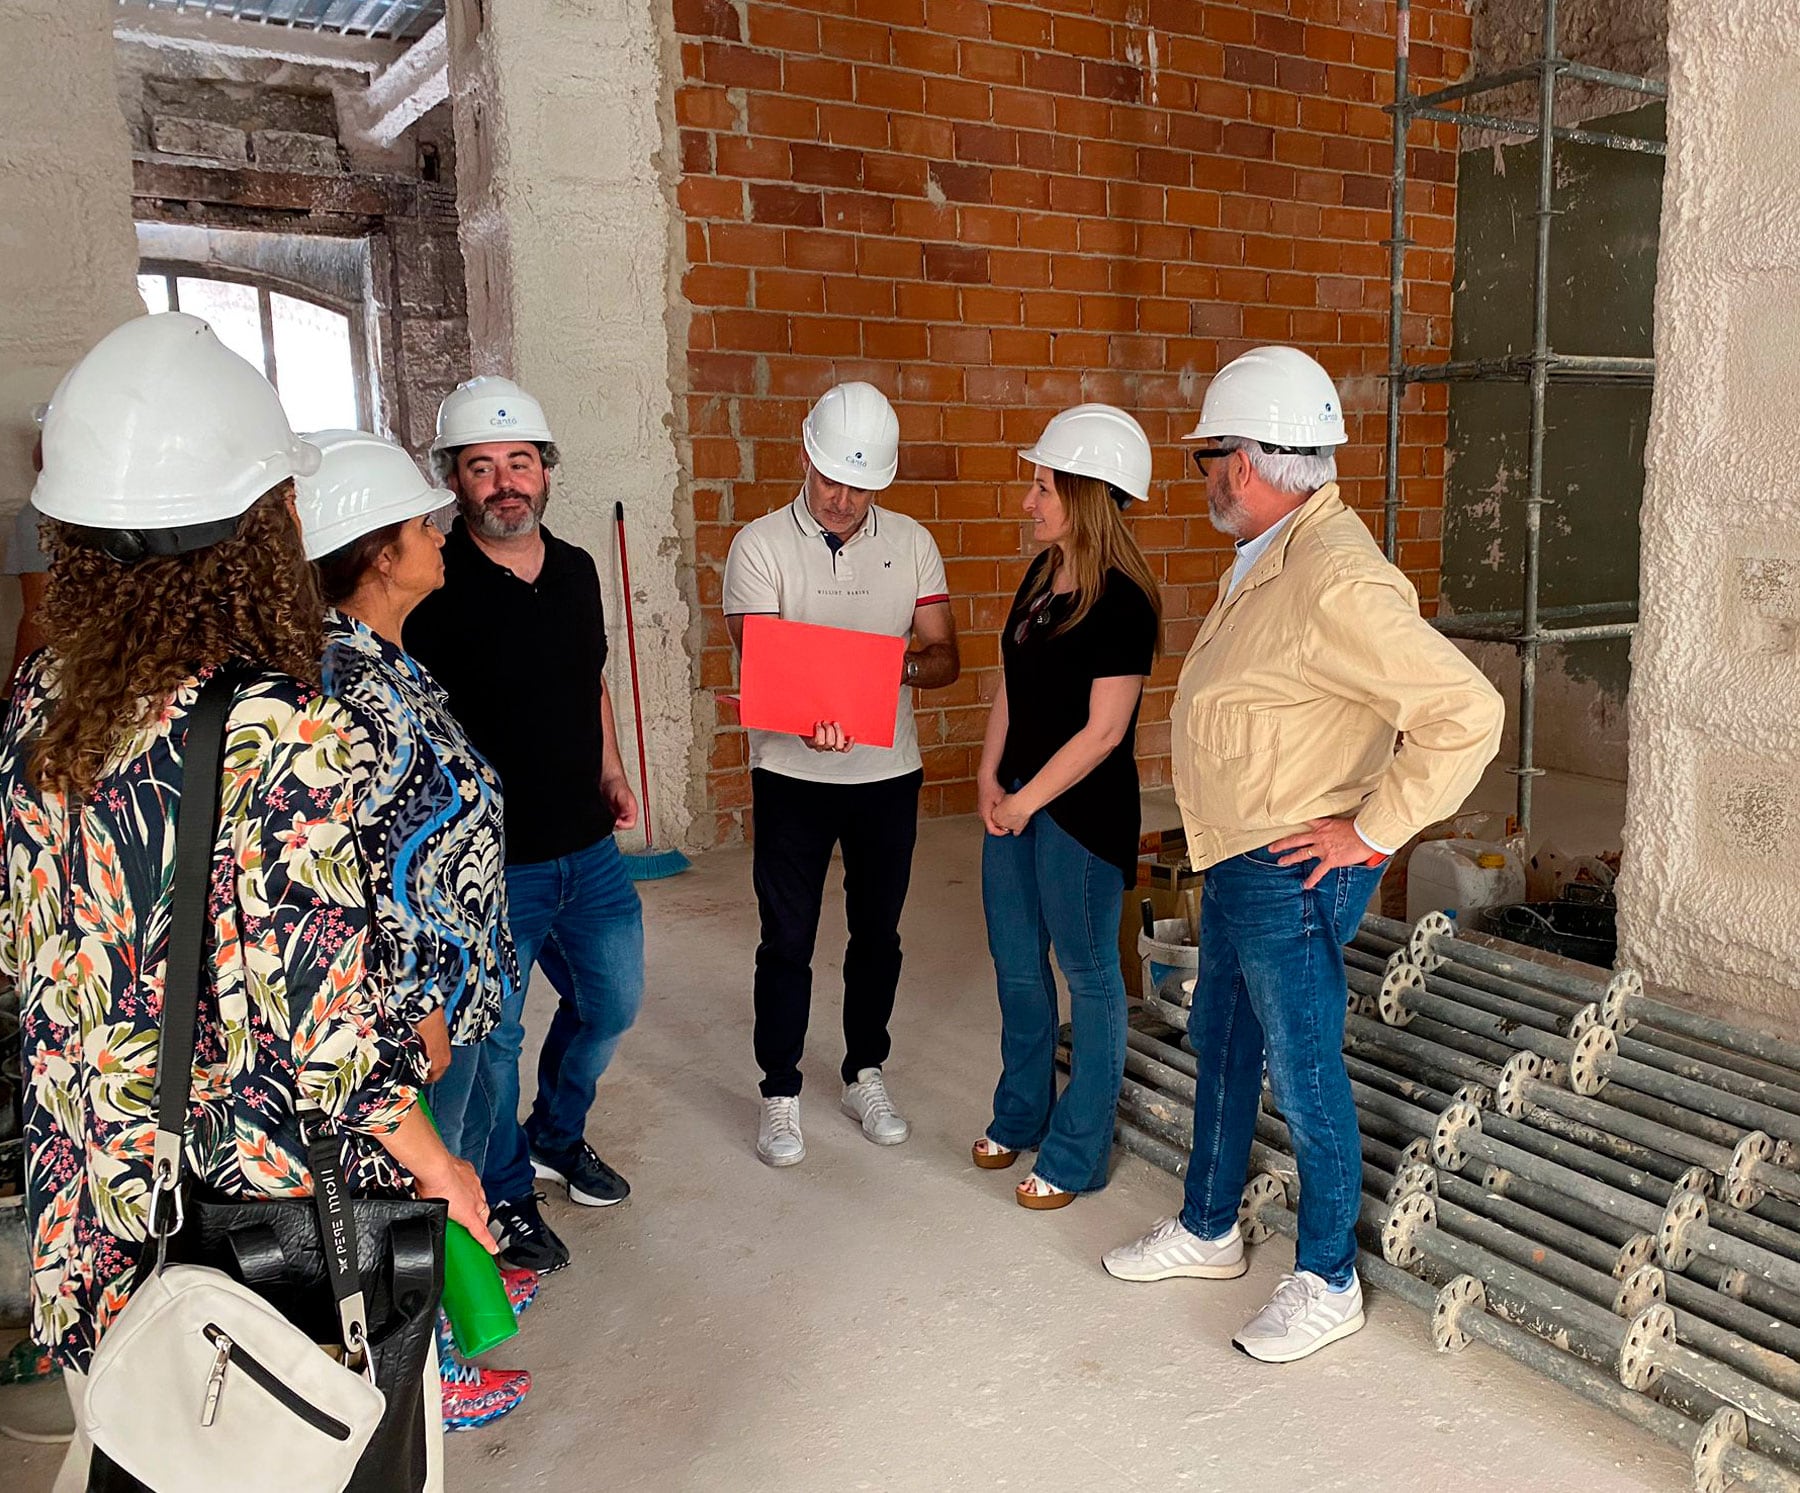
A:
(1224, 763)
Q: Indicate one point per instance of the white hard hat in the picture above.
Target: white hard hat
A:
(161, 427)
(1096, 440)
(489, 409)
(1275, 395)
(364, 483)
(852, 435)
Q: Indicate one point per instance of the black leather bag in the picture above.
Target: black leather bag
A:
(277, 1248)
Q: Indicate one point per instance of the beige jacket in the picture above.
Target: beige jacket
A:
(1316, 690)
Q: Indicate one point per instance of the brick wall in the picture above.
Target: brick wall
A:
(994, 211)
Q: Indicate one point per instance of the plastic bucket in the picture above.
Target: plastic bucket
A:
(1570, 929)
(1167, 954)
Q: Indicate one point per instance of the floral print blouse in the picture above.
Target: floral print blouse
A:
(285, 1008)
(429, 815)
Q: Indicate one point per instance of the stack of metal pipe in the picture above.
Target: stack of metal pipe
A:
(1601, 1185)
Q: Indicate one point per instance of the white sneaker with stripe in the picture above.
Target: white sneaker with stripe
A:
(1170, 1252)
(1303, 1316)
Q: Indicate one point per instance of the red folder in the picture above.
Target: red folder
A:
(796, 674)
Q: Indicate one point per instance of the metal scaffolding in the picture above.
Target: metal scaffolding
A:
(1533, 627)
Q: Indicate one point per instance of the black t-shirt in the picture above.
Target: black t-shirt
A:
(523, 664)
(1049, 680)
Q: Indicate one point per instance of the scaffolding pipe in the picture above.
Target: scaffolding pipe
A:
(1396, 389)
(1526, 129)
(1459, 1316)
(1757, 1315)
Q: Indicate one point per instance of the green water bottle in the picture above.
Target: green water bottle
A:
(481, 1316)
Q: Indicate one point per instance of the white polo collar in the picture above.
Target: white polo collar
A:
(813, 529)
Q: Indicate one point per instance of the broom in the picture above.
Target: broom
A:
(648, 864)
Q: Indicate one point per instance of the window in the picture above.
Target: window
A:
(308, 350)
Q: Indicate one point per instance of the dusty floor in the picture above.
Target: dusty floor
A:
(889, 1319)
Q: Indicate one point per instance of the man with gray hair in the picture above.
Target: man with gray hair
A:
(1319, 724)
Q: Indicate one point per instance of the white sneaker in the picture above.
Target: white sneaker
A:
(1169, 1251)
(1302, 1317)
(866, 1101)
(780, 1142)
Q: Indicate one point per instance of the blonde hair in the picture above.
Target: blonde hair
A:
(1097, 541)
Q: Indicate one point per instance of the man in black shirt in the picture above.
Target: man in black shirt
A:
(517, 638)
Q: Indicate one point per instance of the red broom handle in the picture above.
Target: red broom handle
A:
(637, 699)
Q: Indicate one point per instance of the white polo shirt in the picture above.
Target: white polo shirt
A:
(780, 565)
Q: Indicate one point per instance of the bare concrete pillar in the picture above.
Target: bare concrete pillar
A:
(66, 239)
(566, 225)
(1710, 900)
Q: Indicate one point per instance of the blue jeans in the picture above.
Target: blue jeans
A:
(580, 919)
(462, 1106)
(1039, 889)
(1272, 984)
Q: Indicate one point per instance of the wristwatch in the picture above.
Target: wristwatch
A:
(909, 671)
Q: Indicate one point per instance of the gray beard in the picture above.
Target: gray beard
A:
(1226, 517)
(482, 521)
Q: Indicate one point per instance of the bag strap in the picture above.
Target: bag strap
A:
(196, 833)
(196, 829)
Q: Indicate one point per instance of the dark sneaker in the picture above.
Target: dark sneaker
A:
(526, 1241)
(591, 1182)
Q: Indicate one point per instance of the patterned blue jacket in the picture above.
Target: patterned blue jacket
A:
(430, 820)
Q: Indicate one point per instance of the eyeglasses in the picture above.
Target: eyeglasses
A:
(1204, 454)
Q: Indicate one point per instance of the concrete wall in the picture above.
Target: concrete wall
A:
(1709, 901)
(1603, 257)
(65, 220)
(566, 229)
(994, 211)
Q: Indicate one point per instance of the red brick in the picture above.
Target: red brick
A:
(995, 147)
(1249, 66)
(782, 30)
(1112, 80)
(1052, 73)
(859, 40)
(963, 183)
(1078, 37)
(709, 197)
(1021, 26)
(883, 88)
(827, 166)
(772, 204)
(781, 290)
(748, 156)
(818, 77)
(957, 17)
(926, 52)
(1022, 109)
(990, 64)
(956, 263)
(715, 285)
(926, 302)
(733, 66)
(821, 251)
(705, 108)
(859, 212)
(950, 98)
(786, 118)
(851, 124)
(706, 18)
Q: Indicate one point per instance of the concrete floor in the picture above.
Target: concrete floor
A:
(888, 1319)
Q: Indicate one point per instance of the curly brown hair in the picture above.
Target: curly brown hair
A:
(124, 638)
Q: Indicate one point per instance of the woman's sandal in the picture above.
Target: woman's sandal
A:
(991, 1156)
(1035, 1192)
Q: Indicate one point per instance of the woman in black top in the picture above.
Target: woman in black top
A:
(1059, 795)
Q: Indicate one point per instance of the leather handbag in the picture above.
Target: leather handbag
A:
(267, 1344)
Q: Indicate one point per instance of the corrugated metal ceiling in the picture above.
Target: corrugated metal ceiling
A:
(400, 20)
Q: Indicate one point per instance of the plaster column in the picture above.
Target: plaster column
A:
(66, 236)
(1710, 899)
(566, 227)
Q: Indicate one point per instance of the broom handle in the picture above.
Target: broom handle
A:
(637, 700)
